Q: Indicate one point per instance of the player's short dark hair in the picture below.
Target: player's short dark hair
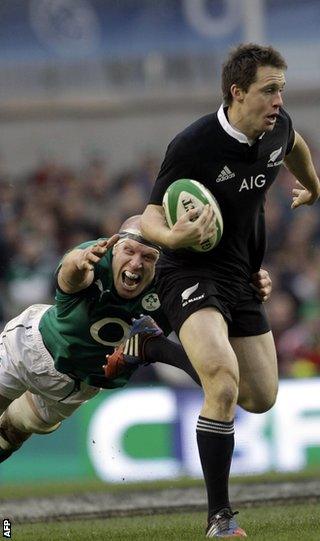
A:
(241, 66)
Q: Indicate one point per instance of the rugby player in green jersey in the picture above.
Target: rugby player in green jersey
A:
(55, 357)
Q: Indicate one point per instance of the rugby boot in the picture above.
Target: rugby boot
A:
(129, 355)
(142, 330)
(118, 363)
(224, 525)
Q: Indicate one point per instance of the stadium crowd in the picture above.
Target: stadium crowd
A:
(55, 207)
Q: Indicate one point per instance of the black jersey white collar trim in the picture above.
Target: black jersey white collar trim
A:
(236, 134)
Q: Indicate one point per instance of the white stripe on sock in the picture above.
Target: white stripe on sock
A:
(215, 427)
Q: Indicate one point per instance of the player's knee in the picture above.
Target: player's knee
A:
(226, 393)
(221, 386)
(265, 403)
(11, 438)
(23, 417)
(258, 404)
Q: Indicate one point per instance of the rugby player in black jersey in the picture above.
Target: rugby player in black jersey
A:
(236, 152)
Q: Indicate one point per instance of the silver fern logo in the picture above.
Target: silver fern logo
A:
(273, 156)
(187, 292)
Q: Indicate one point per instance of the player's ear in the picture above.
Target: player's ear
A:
(237, 93)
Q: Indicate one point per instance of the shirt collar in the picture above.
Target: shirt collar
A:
(236, 134)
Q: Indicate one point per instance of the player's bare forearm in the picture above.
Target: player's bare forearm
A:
(190, 229)
(154, 227)
(300, 164)
(71, 278)
(77, 268)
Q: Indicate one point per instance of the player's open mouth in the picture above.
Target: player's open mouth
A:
(130, 280)
(271, 119)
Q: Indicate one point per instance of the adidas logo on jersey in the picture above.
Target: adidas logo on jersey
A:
(225, 174)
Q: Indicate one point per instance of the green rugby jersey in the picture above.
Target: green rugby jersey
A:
(80, 329)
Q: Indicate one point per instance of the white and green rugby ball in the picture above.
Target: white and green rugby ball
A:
(186, 194)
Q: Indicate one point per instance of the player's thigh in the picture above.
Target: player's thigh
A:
(204, 336)
(53, 409)
(257, 361)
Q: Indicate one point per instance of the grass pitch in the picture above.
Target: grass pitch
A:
(43, 489)
(276, 523)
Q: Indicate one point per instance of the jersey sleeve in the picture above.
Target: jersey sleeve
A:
(178, 163)
(98, 268)
(291, 132)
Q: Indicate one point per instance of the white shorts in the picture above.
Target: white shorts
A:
(25, 364)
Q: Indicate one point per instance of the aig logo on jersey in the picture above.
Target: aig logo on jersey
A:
(273, 156)
(253, 182)
(151, 302)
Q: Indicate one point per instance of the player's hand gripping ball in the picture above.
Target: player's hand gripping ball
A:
(186, 194)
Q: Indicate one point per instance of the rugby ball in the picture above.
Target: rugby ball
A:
(186, 194)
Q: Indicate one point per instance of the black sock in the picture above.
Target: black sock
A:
(162, 350)
(215, 443)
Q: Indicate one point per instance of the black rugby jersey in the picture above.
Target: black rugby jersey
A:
(238, 174)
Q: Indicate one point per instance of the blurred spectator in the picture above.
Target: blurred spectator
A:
(299, 346)
(29, 273)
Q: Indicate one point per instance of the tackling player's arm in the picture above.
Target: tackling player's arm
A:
(300, 164)
(77, 267)
(190, 229)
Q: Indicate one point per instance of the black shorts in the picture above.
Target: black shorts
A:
(183, 292)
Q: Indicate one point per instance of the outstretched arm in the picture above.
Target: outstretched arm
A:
(77, 268)
(300, 164)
